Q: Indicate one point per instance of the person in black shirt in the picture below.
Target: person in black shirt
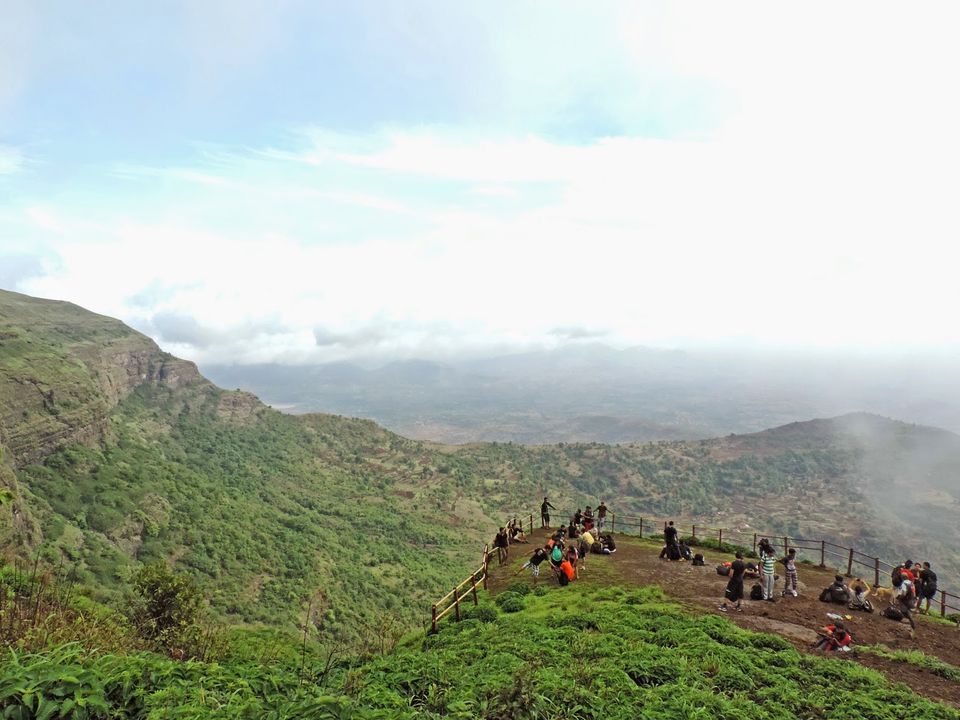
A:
(545, 508)
(539, 555)
(926, 587)
(578, 517)
(671, 548)
(734, 591)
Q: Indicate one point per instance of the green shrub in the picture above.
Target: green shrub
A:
(510, 602)
(483, 613)
(519, 588)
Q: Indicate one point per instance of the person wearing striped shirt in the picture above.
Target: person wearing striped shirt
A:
(768, 559)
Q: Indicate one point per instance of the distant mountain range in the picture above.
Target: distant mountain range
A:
(594, 393)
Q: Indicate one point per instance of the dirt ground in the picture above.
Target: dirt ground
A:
(636, 562)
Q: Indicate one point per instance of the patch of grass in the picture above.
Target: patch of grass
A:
(915, 658)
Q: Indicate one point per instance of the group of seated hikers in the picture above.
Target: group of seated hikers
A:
(567, 548)
(913, 584)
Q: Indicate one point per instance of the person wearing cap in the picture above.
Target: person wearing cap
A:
(833, 638)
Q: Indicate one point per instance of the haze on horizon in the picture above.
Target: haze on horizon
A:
(254, 182)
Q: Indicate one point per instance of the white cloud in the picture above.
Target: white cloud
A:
(819, 210)
(11, 160)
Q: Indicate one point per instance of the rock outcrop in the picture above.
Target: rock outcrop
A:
(63, 369)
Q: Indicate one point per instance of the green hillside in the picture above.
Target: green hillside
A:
(578, 652)
(117, 454)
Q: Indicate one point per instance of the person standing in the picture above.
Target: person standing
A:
(928, 587)
(905, 597)
(790, 572)
(545, 508)
(601, 515)
(734, 591)
(502, 543)
(768, 559)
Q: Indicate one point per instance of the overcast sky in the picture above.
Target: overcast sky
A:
(299, 181)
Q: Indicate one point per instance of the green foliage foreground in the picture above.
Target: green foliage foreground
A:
(568, 653)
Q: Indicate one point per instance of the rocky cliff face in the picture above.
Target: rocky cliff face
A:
(63, 369)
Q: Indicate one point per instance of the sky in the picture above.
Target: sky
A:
(303, 182)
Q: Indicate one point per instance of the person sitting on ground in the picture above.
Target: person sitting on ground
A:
(790, 571)
(601, 515)
(837, 592)
(502, 542)
(516, 534)
(833, 638)
(860, 591)
(609, 542)
(572, 532)
(734, 590)
(685, 552)
(927, 587)
(904, 600)
(539, 555)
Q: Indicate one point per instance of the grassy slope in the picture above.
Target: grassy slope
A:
(577, 652)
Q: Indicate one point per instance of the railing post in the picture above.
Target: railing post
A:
(943, 603)
(694, 532)
(754, 543)
(531, 523)
(823, 553)
(641, 528)
(719, 538)
(486, 560)
(433, 622)
(876, 571)
(456, 604)
(850, 564)
(613, 522)
(473, 589)
(786, 544)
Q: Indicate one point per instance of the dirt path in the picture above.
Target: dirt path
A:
(636, 562)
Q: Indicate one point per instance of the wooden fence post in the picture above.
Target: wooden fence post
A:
(456, 604)
(531, 523)
(473, 588)
(850, 564)
(876, 571)
(641, 528)
(433, 623)
(613, 522)
(823, 553)
(486, 559)
(694, 532)
(719, 538)
(754, 543)
(786, 544)
(943, 603)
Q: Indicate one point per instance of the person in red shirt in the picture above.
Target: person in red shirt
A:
(567, 569)
(833, 638)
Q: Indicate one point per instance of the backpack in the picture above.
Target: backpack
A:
(896, 577)
(864, 605)
(698, 560)
(826, 596)
(892, 613)
(723, 570)
(673, 552)
(756, 592)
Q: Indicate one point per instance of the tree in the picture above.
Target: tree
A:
(166, 605)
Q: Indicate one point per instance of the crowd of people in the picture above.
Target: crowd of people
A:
(567, 548)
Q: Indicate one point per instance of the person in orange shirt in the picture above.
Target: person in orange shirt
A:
(567, 569)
